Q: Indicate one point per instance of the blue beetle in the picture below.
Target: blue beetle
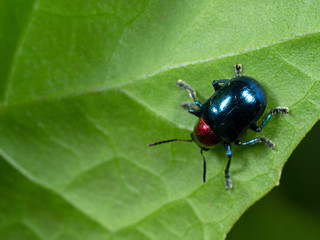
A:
(234, 108)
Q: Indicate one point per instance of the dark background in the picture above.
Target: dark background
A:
(292, 210)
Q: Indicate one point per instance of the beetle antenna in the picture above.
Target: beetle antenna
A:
(204, 166)
(171, 140)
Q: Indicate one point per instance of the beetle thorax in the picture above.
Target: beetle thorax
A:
(204, 136)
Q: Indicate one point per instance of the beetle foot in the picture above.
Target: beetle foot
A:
(188, 105)
(238, 68)
(228, 183)
(184, 85)
(269, 143)
(181, 83)
(280, 110)
(191, 92)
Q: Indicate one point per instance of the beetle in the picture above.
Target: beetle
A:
(234, 108)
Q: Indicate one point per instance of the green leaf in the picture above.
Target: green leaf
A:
(85, 85)
(291, 210)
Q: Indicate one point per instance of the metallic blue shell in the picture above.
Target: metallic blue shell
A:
(234, 107)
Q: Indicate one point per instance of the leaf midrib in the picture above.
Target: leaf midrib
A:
(7, 106)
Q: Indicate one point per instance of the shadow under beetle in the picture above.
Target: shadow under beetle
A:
(235, 107)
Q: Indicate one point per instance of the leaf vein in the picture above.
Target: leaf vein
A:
(34, 180)
(292, 65)
(17, 52)
(186, 64)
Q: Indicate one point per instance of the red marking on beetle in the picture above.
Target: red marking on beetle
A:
(204, 136)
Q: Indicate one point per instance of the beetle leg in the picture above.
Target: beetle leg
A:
(195, 112)
(191, 109)
(192, 93)
(216, 85)
(272, 112)
(238, 67)
(227, 147)
(269, 143)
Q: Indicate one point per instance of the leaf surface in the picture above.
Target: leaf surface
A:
(85, 85)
